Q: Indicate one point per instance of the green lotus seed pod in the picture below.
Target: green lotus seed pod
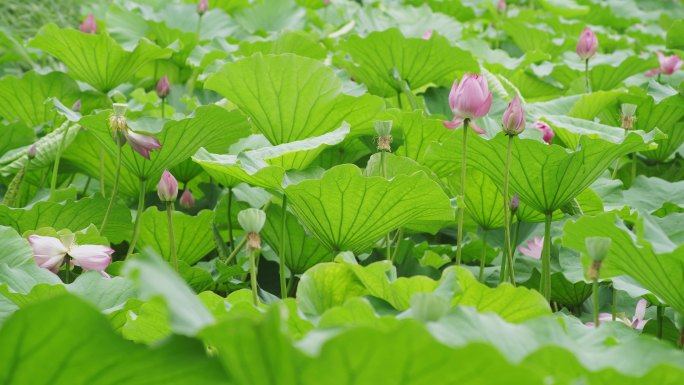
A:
(383, 127)
(252, 220)
(597, 247)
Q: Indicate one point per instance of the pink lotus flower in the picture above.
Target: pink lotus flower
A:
(202, 7)
(546, 130)
(533, 249)
(668, 65)
(49, 253)
(167, 189)
(89, 25)
(638, 322)
(143, 144)
(587, 44)
(501, 6)
(186, 199)
(427, 34)
(470, 99)
(514, 117)
(457, 122)
(163, 87)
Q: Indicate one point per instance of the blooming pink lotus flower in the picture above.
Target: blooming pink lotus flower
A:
(143, 144)
(470, 99)
(668, 65)
(202, 7)
(427, 34)
(163, 87)
(49, 253)
(167, 189)
(501, 6)
(186, 199)
(546, 130)
(514, 117)
(638, 322)
(533, 249)
(587, 44)
(89, 25)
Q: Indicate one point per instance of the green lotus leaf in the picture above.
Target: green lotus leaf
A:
(418, 132)
(15, 135)
(605, 73)
(96, 59)
(418, 61)
(290, 98)
(347, 211)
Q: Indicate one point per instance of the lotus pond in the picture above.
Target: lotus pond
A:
(300, 192)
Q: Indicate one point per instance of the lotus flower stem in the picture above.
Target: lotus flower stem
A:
(586, 75)
(58, 156)
(595, 302)
(613, 309)
(283, 239)
(236, 250)
(660, 316)
(172, 239)
(399, 103)
(138, 217)
(546, 258)
(253, 255)
(461, 195)
(483, 255)
(230, 219)
(102, 171)
(383, 171)
(163, 103)
(397, 241)
(115, 188)
(507, 213)
(658, 78)
(67, 270)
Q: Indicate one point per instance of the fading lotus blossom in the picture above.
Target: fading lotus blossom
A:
(501, 6)
(471, 98)
(637, 323)
(89, 25)
(668, 65)
(163, 87)
(587, 44)
(533, 249)
(457, 122)
(514, 117)
(49, 253)
(142, 144)
(427, 34)
(187, 200)
(547, 131)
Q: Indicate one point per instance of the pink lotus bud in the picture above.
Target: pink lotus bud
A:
(514, 118)
(32, 151)
(427, 34)
(92, 257)
(470, 99)
(163, 87)
(533, 249)
(143, 144)
(587, 44)
(186, 199)
(669, 64)
(202, 7)
(48, 252)
(515, 203)
(167, 189)
(89, 25)
(501, 6)
(76, 106)
(546, 130)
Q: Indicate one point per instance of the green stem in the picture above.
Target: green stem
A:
(154, 77)
(397, 243)
(230, 218)
(461, 196)
(172, 239)
(163, 103)
(115, 188)
(613, 308)
(102, 171)
(586, 75)
(595, 302)
(545, 288)
(483, 255)
(237, 249)
(660, 317)
(383, 171)
(507, 213)
(634, 167)
(401, 107)
(87, 184)
(658, 78)
(199, 26)
(58, 157)
(253, 255)
(138, 217)
(283, 278)
(67, 270)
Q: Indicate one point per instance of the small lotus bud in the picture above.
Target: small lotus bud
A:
(501, 6)
(383, 128)
(77, 106)
(587, 44)
(628, 116)
(32, 151)
(427, 34)
(186, 199)
(514, 118)
(202, 7)
(252, 220)
(163, 87)
(597, 247)
(167, 189)
(515, 203)
(89, 25)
